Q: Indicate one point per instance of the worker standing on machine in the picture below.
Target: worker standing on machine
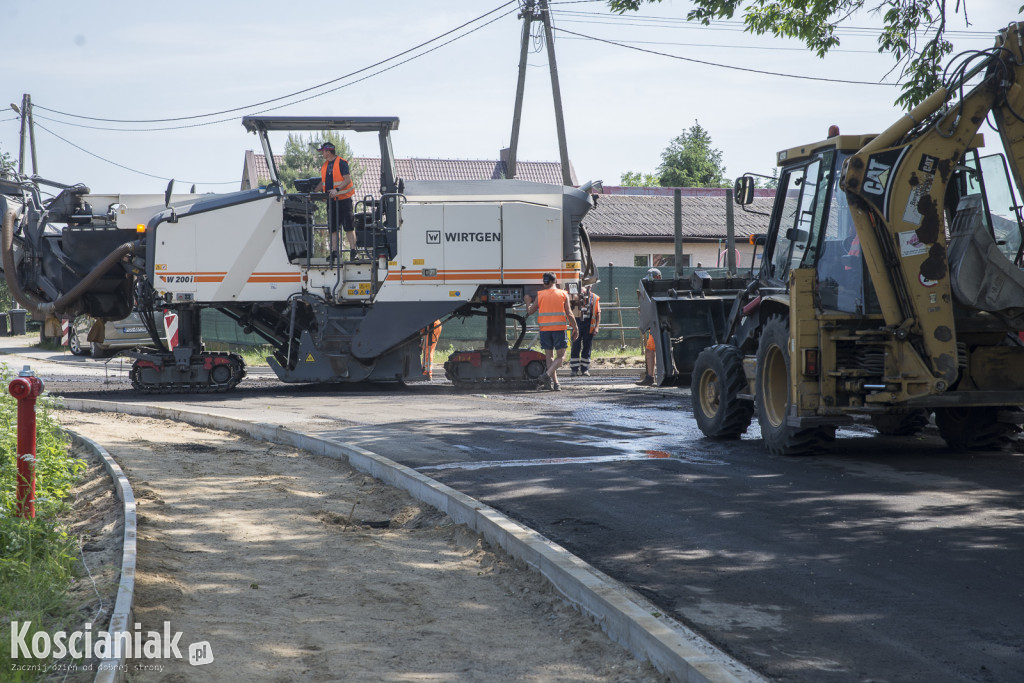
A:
(588, 321)
(336, 181)
(553, 315)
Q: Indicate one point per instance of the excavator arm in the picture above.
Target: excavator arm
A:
(897, 189)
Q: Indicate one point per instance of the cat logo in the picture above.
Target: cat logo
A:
(877, 177)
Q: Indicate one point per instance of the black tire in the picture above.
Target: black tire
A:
(715, 383)
(771, 395)
(900, 424)
(973, 429)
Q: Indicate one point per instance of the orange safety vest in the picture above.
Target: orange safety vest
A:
(551, 310)
(345, 191)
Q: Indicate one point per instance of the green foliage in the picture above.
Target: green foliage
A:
(637, 179)
(913, 30)
(768, 183)
(691, 161)
(37, 557)
(6, 300)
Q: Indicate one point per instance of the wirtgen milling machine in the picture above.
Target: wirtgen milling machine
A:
(427, 251)
(890, 285)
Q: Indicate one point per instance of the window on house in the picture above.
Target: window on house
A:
(641, 260)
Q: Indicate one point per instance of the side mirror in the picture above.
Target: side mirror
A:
(167, 201)
(743, 190)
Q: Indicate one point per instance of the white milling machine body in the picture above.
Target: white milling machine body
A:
(428, 250)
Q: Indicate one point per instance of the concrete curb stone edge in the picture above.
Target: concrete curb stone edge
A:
(623, 614)
(111, 669)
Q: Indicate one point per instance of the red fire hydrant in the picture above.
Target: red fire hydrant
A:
(26, 387)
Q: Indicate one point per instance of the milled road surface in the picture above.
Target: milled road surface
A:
(884, 559)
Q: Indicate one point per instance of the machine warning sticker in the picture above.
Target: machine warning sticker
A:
(310, 359)
(925, 281)
(919, 193)
(911, 244)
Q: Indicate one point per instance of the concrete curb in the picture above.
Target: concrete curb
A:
(625, 616)
(112, 669)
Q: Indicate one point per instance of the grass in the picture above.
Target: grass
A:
(37, 556)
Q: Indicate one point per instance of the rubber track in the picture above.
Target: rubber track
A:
(237, 374)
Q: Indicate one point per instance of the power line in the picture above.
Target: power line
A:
(194, 125)
(127, 168)
(725, 24)
(723, 66)
(292, 102)
(733, 46)
(282, 97)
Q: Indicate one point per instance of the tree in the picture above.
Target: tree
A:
(6, 165)
(637, 179)
(913, 31)
(302, 160)
(690, 161)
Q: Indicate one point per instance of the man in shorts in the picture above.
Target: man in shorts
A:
(336, 181)
(553, 316)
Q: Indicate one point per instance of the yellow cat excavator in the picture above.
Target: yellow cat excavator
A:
(891, 284)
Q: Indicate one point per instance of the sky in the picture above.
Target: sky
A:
(135, 61)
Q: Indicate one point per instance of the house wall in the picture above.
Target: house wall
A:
(624, 253)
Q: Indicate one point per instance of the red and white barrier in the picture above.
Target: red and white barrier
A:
(65, 334)
(171, 328)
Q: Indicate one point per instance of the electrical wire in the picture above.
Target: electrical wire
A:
(720, 25)
(734, 47)
(286, 104)
(127, 168)
(282, 97)
(151, 175)
(723, 66)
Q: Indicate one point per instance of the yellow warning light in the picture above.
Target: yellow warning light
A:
(141, 227)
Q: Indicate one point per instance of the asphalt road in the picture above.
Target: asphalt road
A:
(882, 559)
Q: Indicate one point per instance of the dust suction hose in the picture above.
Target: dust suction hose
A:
(33, 303)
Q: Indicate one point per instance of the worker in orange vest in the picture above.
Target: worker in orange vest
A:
(431, 333)
(553, 316)
(336, 181)
(588, 321)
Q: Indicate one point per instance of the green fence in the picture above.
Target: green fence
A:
(617, 288)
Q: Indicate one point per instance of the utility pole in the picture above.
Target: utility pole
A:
(556, 93)
(28, 134)
(529, 15)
